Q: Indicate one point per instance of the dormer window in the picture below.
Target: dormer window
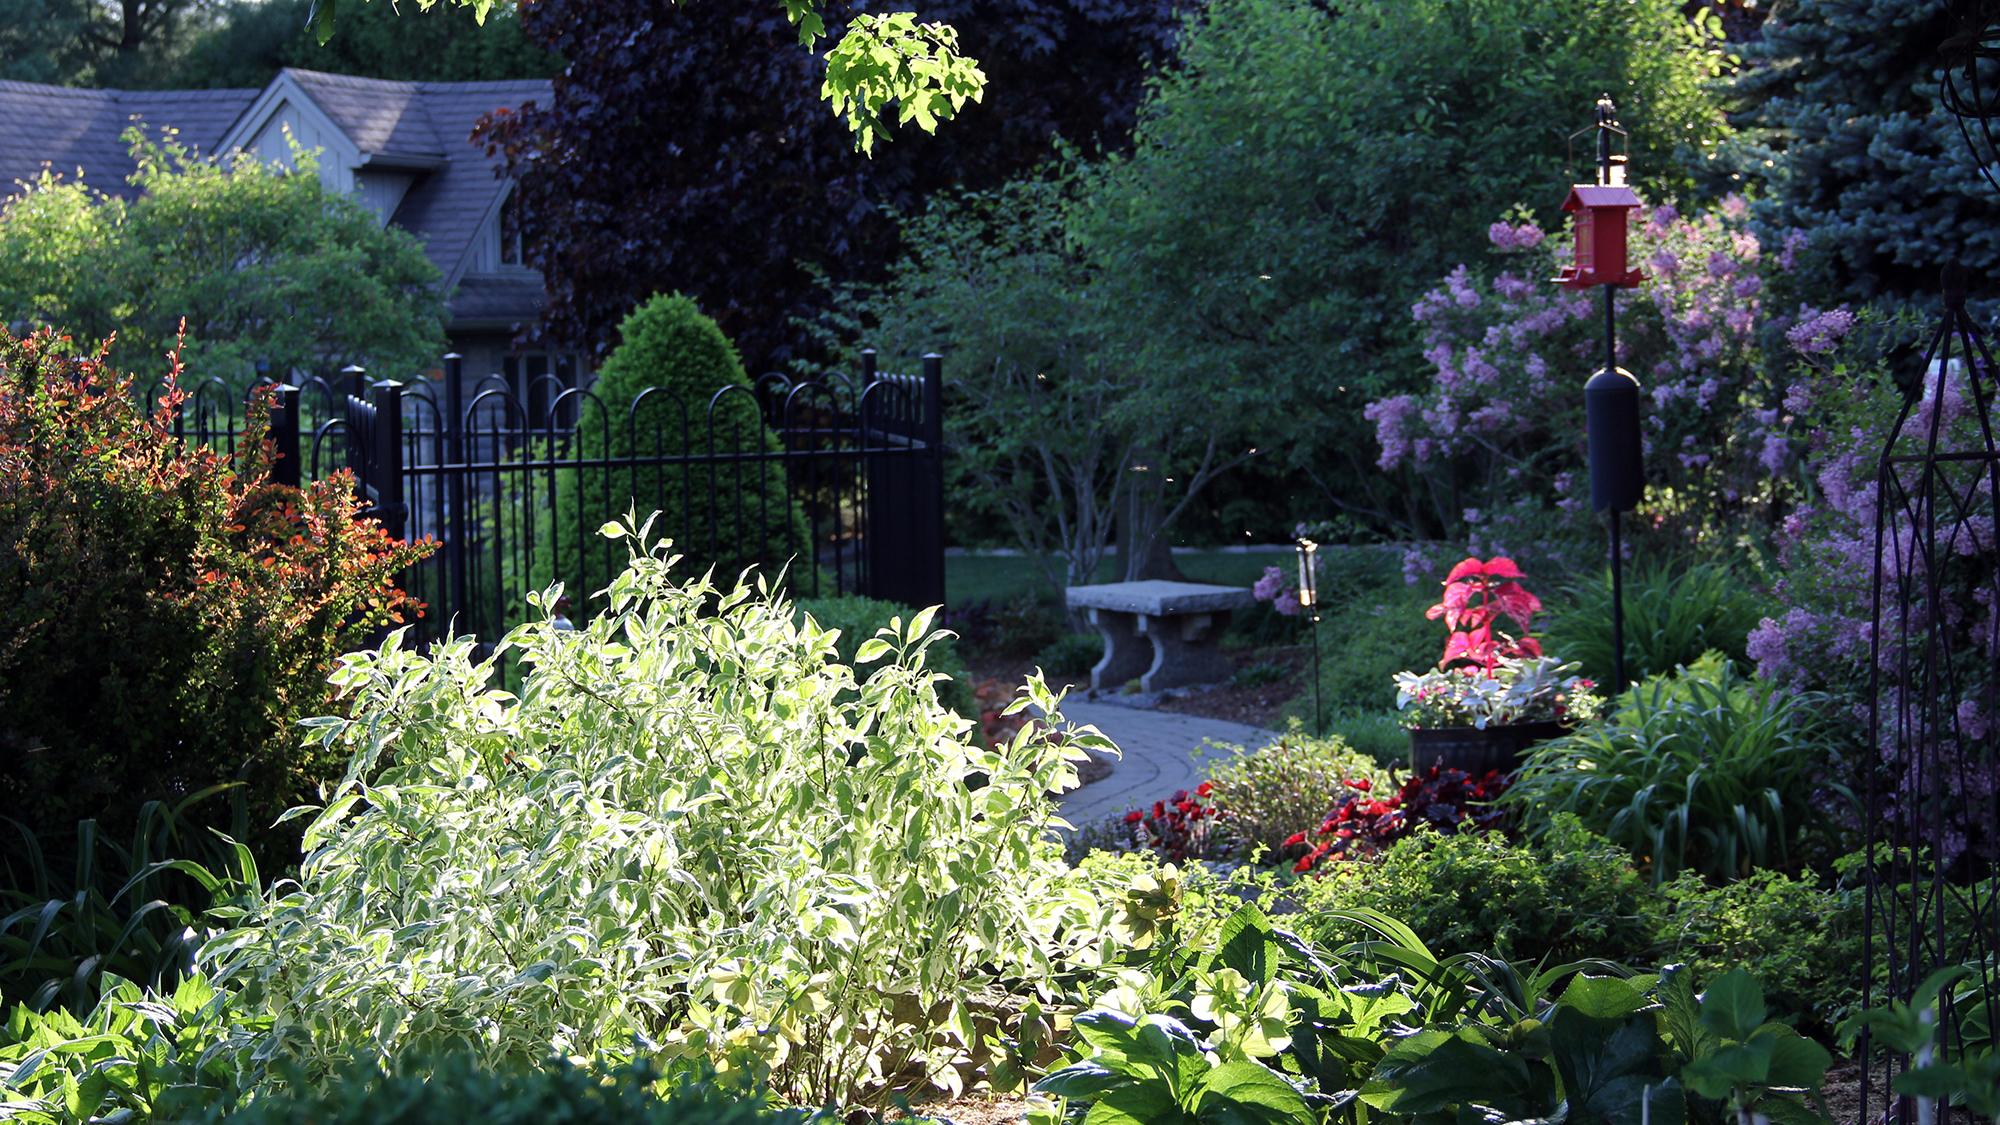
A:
(511, 222)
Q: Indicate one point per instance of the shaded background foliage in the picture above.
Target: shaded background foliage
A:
(404, 43)
(688, 147)
(227, 266)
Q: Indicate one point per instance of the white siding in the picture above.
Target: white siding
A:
(382, 192)
(486, 247)
(270, 144)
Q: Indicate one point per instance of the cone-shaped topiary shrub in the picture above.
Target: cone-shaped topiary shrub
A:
(673, 387)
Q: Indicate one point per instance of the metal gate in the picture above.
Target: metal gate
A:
(835, 482)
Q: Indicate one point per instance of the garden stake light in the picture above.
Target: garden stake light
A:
(1309, 601)
(1611, 397)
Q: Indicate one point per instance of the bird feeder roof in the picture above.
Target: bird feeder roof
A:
(1599, 195)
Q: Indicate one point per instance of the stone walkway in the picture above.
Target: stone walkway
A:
(1162, 752)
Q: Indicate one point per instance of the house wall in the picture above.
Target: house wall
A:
(382, 192)
(338, 155)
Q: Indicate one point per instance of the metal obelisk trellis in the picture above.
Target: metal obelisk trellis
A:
(1933, 813)
(1932, 822)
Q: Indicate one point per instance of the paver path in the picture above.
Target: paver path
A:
(1159, 749)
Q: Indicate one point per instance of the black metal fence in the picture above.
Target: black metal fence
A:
(836, 482)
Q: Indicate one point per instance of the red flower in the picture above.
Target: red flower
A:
(1295, 838)
(1134, 817)
(1362, 784)
(1204, 789)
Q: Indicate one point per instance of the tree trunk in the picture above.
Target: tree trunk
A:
(1144, 552)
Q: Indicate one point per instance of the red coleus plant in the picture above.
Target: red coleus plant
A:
(1475, 595)
(1449, 801)
(1181, 828)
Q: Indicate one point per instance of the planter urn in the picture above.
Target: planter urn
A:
(1475, 750)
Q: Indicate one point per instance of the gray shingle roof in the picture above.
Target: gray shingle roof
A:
(67, 129)
(498, 301)
(384, 118)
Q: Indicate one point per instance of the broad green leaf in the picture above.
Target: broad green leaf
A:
(1251, 1091)
(1739, 1064)
(1084, 1079)
(1608, 1064)
(1795, 1061)
(1733, 1005)
(1146, 1103)
(1433, 1070)
(1245, 944)
(1602, 997)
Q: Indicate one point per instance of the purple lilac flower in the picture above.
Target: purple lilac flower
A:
(1795, 241)
(1506, 237)
(1818, 332)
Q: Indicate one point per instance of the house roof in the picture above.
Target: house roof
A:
(497, 302)
(383, 118)
(64, 129)
(422, 128)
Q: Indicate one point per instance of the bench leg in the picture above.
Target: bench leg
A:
(1126, 655)
(1185, 650)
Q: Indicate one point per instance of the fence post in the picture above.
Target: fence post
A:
(284, 419)
(454, 451)
(387, 461)
(929, 514)
(902, 420)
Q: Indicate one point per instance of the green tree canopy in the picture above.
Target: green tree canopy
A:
(262, 264)
(253, 39)
(1242, 280)
(129, 43)
(882, 60)
(1303, 175)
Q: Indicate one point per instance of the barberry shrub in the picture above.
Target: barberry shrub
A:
(167, 612)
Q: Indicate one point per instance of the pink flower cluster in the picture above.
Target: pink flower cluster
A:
(1274, 589)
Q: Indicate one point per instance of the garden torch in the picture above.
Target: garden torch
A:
(1611, 397)
(1309, 601)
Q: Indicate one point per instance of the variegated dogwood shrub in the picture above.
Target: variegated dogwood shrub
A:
(689, 831)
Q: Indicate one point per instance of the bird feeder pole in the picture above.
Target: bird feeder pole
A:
(1611, 397)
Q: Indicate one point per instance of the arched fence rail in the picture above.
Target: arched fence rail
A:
(494, 475)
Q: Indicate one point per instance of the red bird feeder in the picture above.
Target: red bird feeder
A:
(1602, 212)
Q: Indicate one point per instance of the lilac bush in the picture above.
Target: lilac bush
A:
(1826, 568)
(1511, 351)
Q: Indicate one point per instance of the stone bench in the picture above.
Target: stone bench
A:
(1163, 633)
